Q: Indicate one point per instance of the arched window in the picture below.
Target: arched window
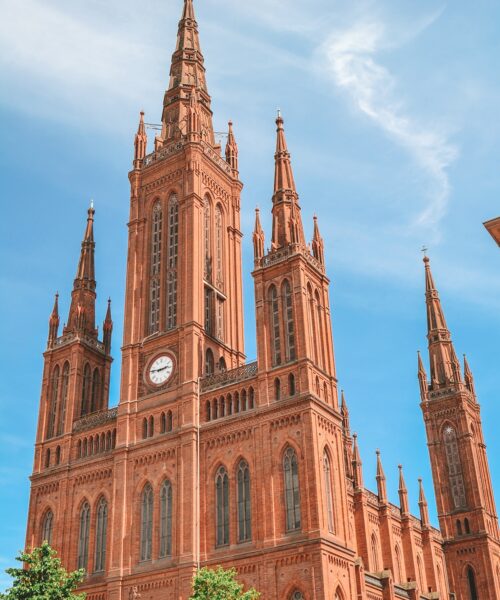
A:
(58, 455)
(222, 506)
(86, 390)
(229, 405)
(222, 407)
(313, 333)
(328, 491)
(215, 410)
(399, 565)
(206, 239)
(166, 519)
(47, 458)
(319, 328)
(163, 423)
(222, 365)
(219, 243)
(209, 362)
(421, 578)
(146, 522)
(64, 399)
(251, 398)
(244, 503)
(54, 392)
(84, 448)
(374, 553)
(275, 325)
(151, 426)
(95, 403)
(454, 467)
(286, 291)
(459, 527)
(173, 252)
(291, 384)
(100, 536)
(209, 410)
(170, 421)
(108, 441)
(471, 580)
(144, 428)
(83, 537)
(277, 389)
(466, 525)
(292, 490)
(47, 525)
(155, 270)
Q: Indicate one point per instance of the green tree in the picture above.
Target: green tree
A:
(220, 584)
(42, 577)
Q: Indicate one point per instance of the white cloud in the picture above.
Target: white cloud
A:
(373, 90)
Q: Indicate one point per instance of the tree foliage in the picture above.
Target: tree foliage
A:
(42, 577)
(220, 584)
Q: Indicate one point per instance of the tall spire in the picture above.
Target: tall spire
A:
(381, 481)
(318, 246)
(357, 465)
(140, 142)
(403, 493)
(422, 378)
(54, 321)
(444, 365)
(287, 222)
(82, 310)
(107, 329)
(469, 379)
(258, 238)
(187, 71)
(422, 503)
(231, 148)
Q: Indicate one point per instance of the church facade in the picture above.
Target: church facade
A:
(209, 460)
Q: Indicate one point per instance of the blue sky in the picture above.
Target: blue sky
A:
(391, 115)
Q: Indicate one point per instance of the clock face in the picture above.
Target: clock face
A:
(161, 369)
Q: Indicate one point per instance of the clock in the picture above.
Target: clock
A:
(161, 369)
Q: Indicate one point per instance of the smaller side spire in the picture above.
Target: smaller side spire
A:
(140, 143)
(193, 117)
(357, 465)
(347, 439)
(469, 379)
(231, 149)
(318, 246)
(344, 411)
(107, 329)
(381, 481)
(403, 493)
(258, 238)
(422, 503)
(422, 379)
(54, 322)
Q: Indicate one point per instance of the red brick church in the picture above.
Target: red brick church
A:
(210, 460)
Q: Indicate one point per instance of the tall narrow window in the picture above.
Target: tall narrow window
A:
(328, 491)
(209, 362)
(220, 319)
(312, 325)
(166, 520)
(374, 554)
(100, 536)
(454, 467)
(147, 523)
(222, 506)
(277, 388)
(291, 384)
(95, 402)
(83, 537)
(420, 569)
(244, 503)
(319, 329)
(275, 325)
(86, 390)
(471, 580)
(64, 399)
(155, 270)
(288, 320)
(54, 394)
(209, 309)
(219, 264)
(399, 565)
(292, 490)
(173, 251)
(207, 218)
(47, 525)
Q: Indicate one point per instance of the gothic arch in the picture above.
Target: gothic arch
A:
(274, 321)
(290, 472)
(374, 553)
(155, 265)
(471, 582)
(328, 488)
(399, 570)
(47, 525)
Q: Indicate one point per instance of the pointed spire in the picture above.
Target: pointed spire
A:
(444, 365)
(469, 379)
(318, 246)
(107, 329)
(82, 310)
(422, 503)
(357, 465)
(231, 148)
(422, 378)
(344, 411)
(140, 142)
(193, 116)
(54, 321)
(287, 222)
(403, 493)
(347, 439)
(381, 481)
(258, 238)
(187, 71)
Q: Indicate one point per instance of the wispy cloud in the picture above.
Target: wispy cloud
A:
(351, 56)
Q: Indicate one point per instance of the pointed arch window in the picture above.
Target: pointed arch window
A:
(399, 565)
(222, 507)
(471, 581)
(64, 399)
(319, 329)
(95, 402)
(47, 525)
(86, 390)
(454, 467)
(374, 553)
(288, 320)
(100, 536)
(147, 523)
(312, 325)
(173, 252)
(220, 319)
(277, 388)
(421, 581)
(244, 503)
(83, 537)
(207, 218)
(292, 490)
(209, 362)
(275, 325)
(54, 394)
(327, 472)
(166, 519)
(219, 243)
(155, 269)
(291, 384)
